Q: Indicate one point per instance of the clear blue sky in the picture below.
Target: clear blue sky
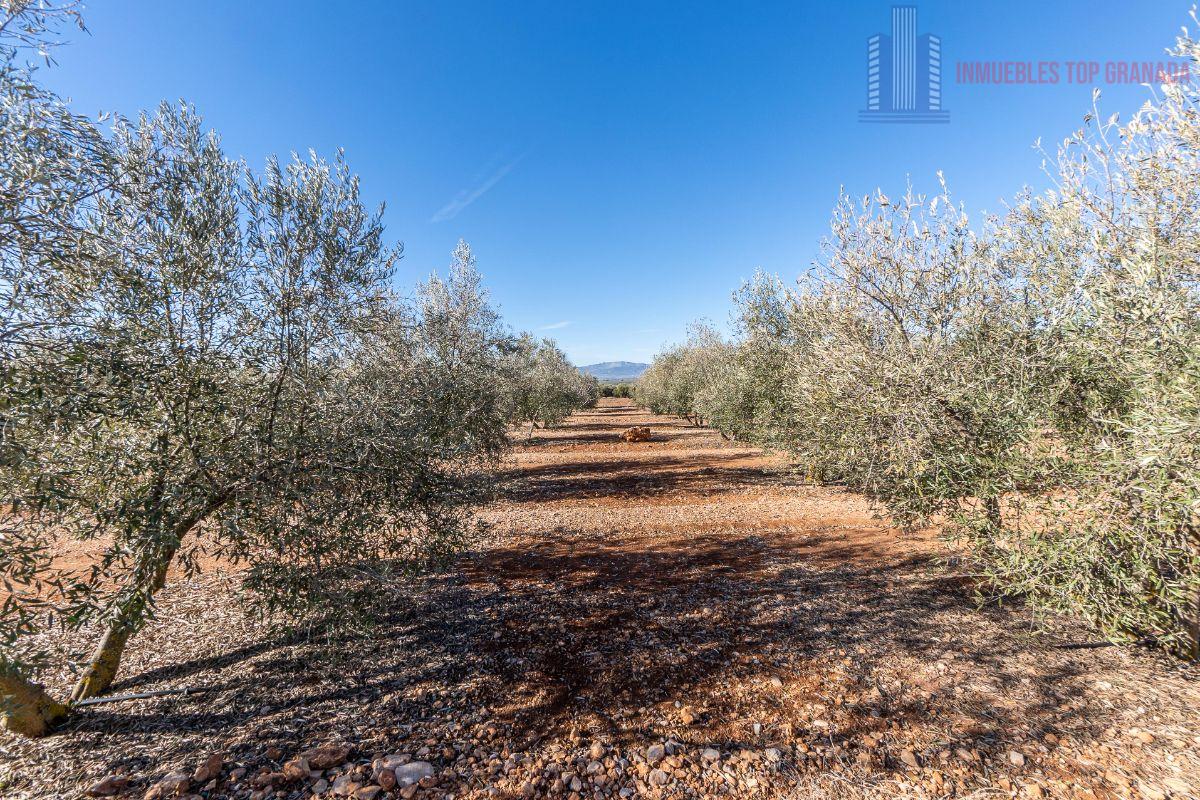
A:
(619, 167)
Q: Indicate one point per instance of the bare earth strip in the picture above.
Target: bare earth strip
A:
(774, 638)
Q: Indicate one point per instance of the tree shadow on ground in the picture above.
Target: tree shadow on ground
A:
(624, 478)
(576, 630)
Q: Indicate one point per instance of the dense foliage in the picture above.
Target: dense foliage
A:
(1031, 380)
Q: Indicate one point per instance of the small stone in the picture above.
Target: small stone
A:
(776, 682)
(386, 778)
(320, 787)
(1032, 790)
(113, 784)
(267, 778)
(910, 758)
(659, 778)
(1151, 792)
(297, 769)
(346, 785)
(757, 728)
(392, 762)
(1145, 737)
(274, 753)
(687, 715)
(327, 756)
(174, 785)
(710, 754)
(596, 751)
(368, 792)
(773, 754)
(655, 753)
(412, 772)
(210, 769)
(1016, 758)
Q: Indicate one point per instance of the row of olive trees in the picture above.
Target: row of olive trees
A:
(542, 386)
(1032, 380)
(200, 357)
(617, 390)
(683, 379)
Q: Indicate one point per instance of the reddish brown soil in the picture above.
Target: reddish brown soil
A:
(686, 591)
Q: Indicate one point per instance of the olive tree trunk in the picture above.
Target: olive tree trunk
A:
(102, 667)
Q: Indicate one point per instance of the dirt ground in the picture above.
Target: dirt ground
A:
(682, 617)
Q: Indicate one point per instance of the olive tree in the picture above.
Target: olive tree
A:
(223, 366)
(542, 386)
(31, 26)
(1118, 542)
(670, 384)
(921, 378)
(766, 331)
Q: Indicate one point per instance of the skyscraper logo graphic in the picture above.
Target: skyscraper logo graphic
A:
(904, 74)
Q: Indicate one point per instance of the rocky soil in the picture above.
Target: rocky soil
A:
(678, 617)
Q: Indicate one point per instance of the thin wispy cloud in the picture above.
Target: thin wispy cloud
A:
(468, 196)
(555, 326)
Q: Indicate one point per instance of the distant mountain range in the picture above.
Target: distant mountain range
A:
(616, 370)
